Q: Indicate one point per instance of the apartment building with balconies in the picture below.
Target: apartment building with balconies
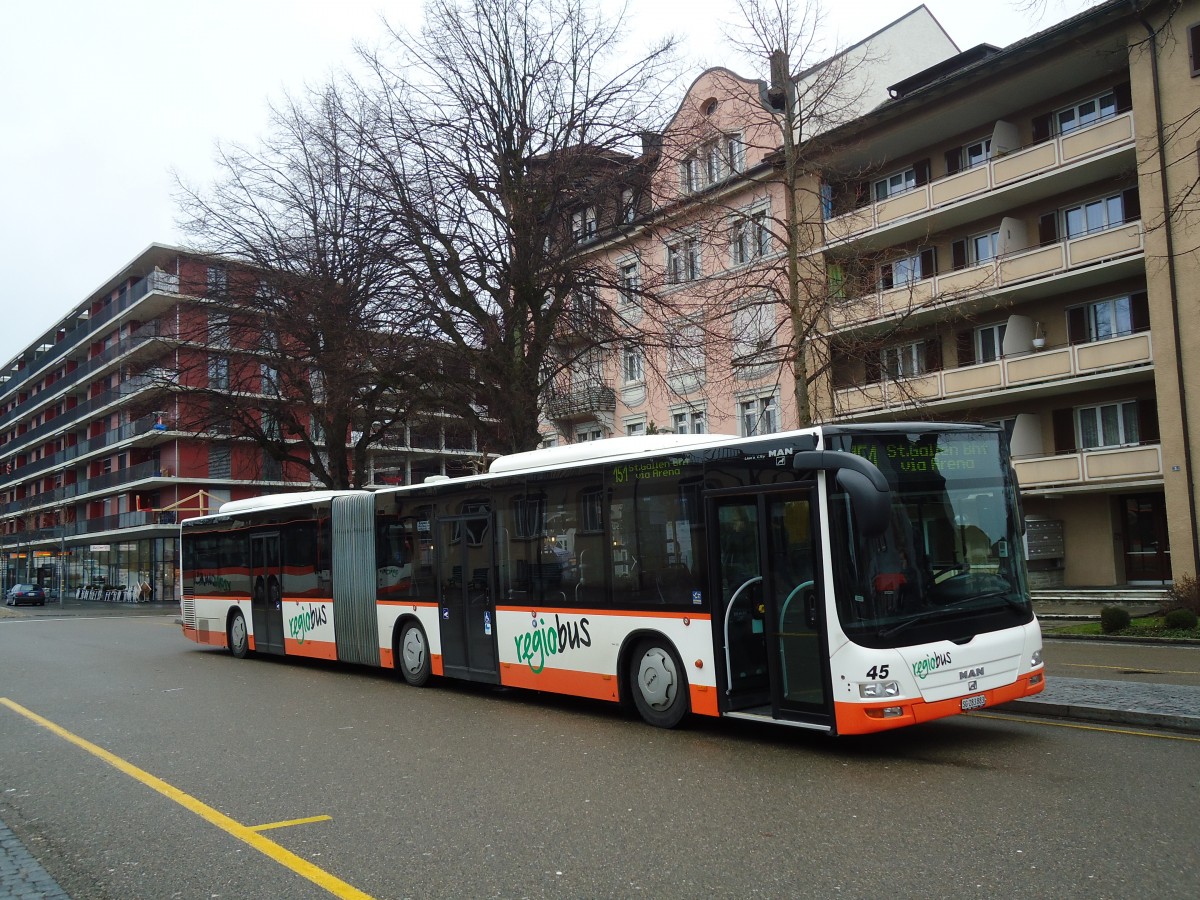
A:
(1002, 256)
(96, 469)
(1008, 237)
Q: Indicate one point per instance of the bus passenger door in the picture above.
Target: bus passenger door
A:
(769, 614)
(467, 611)
(266, 592)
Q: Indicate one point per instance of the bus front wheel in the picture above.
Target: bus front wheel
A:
(239, 640)
(660, 688)
(413, 655)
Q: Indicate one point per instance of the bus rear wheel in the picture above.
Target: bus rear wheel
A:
(239, 639)
(659, 685)
(412, 655)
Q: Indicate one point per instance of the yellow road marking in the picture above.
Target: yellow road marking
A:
(1033, 720)
(1133, 669)
(290, 822)
(265, 846)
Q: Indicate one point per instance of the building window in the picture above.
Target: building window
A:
(1087, 112)
(216, 281)
(688, 421)
(751, 237)
(1103, 319)
(628, 206)
(686, 350)
(633, 365)
(713, 163)
(588, 433)
(903, 360)
(989, 342)
(218, 373)
(683, 260)
(896, 183)
(630, 283)
(583, 224)
(635, 429)
(1095, 215)
(985, 247)
(759, 415)
(907, 269)
(977, 154)
(1108, 425)
(753, 330)
(1193, 38)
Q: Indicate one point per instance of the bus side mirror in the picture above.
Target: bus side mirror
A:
(870, 495)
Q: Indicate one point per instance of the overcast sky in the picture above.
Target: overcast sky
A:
(100, 101)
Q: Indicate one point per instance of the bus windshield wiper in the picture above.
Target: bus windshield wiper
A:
(962, 607)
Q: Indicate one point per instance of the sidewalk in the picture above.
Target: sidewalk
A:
(22, 876)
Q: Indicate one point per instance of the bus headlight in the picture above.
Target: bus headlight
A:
(1037, 658)
(877, 689)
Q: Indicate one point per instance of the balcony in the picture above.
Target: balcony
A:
(1091, 468)
(1087, 154)
(581, 403)
(1012, 275)
(1110, 360)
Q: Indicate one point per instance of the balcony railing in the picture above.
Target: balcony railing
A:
(1102, 465)
(1004, 273)
(582, 402)
(1113, 133)
(1020, 371)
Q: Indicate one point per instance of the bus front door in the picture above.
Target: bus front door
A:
(467, 609)
(266, 592)
(769, 613)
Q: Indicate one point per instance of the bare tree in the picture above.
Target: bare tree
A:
(504, 138)
(316, 347)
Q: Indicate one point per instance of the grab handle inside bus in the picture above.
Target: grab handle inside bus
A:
(869, 493)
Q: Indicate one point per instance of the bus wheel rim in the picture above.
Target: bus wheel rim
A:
(657, 678)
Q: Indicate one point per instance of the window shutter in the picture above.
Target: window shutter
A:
(921, 169)
(1147, 416)
(933, 354)
(1131, 204)
(1064, 431)
(958, 254)
(929, 262)
(953, 160)
(1139, 312)
(1041, 128)
(1077, 332)
(874, 368)
(965, 341)
(1124, 96)
(1048, 229)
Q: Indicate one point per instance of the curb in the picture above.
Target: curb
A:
(1108, 716)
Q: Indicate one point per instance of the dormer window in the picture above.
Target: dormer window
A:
(583, 224)
(712, 163)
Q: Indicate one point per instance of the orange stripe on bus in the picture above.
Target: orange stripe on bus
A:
(415, 604)
(310, 648)
(435, 664)
(560, 681)
(853, 718)
(532, 610)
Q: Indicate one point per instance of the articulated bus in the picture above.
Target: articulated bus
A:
(846, 579)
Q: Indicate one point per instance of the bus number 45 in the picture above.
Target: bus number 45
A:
(877, 672)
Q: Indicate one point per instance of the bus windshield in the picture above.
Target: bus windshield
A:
(950, 564)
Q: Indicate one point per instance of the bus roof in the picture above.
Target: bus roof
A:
(591, 451)
(276, 501)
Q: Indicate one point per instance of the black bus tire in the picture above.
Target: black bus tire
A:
(239, 638)
(658, 683)
(412, 654)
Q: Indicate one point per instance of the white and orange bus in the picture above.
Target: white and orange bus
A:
(844, 578)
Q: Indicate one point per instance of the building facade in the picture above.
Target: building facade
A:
(95, 474)
(1008, 237)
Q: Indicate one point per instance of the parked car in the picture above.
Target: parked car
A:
(26, 593)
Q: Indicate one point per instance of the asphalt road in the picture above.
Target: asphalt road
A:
(457, 791)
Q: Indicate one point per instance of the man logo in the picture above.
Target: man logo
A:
(973, 686)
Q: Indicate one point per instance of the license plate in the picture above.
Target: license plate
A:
(977, 702)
